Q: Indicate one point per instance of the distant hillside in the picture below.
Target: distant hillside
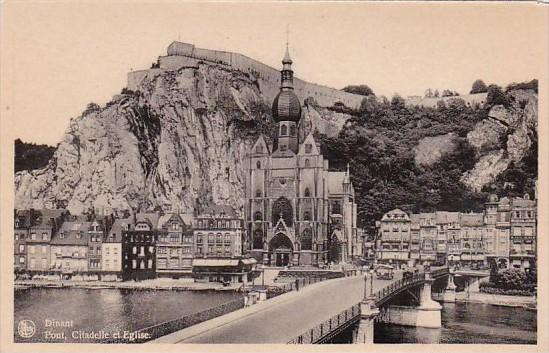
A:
(30, 156)
(447, 157)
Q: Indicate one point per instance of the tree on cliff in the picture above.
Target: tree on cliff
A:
(479, 87)
(29, 156)
(363, 90)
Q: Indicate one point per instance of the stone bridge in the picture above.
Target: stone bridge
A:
(319, 312)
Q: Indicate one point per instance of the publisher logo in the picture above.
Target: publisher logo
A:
(26, 328)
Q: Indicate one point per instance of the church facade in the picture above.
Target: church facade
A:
(297, 212)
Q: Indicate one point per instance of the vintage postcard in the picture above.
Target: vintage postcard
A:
(183, 176)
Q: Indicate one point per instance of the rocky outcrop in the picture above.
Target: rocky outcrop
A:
(179, 139)
(431, 149)
(504, 137)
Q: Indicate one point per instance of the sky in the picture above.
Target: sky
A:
(59, 56)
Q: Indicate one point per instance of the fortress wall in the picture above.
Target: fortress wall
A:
(136, 77)
(470, 99)
(187, 55)
(179, 48)
(173, 63)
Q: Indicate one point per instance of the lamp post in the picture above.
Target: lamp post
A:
(371, 282)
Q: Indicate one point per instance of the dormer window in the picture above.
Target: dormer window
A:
(308, 148)
(61, 235)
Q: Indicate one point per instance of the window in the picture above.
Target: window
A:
(142, 264)
(516, 231)
(307, 163)
(16, 236)
(258, 193)
(33, 236)
(258, 216)
(283, 130)
(292, 130)
(227, 238)
(44, 236)
(31, 249)
(306, 239)
(134, 264)
(307, 216)
(258, 239)
(307, 192)
(211, 238)
(134, 250)
(210, 250)
(258, 164)
(21, 260)
(282, 208)
(21, 248)
(308, 148)
(150, 265)
(283, 147)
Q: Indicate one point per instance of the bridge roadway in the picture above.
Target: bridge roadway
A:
(280, 319)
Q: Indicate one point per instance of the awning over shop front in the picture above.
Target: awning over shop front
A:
(215, 262)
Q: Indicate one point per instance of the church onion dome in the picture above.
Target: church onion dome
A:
(286, 106)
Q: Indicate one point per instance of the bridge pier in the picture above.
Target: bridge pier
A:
(365, 332)
(449, 294)
(428, 312)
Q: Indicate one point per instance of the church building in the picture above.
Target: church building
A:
(297, 212)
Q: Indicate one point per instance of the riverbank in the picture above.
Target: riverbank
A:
(497, 299)
(528, 302)
(152, 284)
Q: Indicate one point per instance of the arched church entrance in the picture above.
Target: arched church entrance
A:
(280, 250)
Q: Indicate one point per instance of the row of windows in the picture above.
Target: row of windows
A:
(258, 216)
(283, 148)
(306, 192)
(175, 251)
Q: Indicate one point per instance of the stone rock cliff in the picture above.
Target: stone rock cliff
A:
(504, 137)
(180, 139)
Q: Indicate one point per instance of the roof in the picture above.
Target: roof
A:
(70, 231)
(117, 228)
(472, 219)
(286, 106)
(150, 218)
(42, 218)
(335, 182)
(218, 210)
(446, 217)
(396, 215)
(521, 202)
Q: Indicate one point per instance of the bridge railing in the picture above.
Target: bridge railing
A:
(165, 328)
(404, 282)
(396, 286)
(326, 327)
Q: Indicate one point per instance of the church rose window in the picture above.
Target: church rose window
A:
(258, 239)
(282, 208)
(306, 239)
(258, 216)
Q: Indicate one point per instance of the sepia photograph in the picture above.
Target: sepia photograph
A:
(293, 173)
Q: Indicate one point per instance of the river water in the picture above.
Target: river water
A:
(116, 310)
(110, 310)
(468, 323)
